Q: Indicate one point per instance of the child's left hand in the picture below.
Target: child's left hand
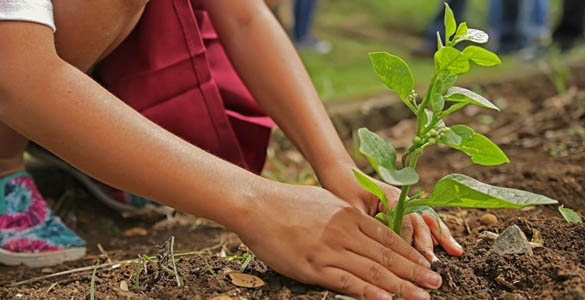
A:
(423, 230)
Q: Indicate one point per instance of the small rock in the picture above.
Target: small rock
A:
(124, 285)
(245, 280)
(488, 219)
(512, 241)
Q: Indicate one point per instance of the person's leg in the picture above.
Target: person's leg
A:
(29, 232)
(303, 11)
(540, 17)
(11, 152)
(511, 37)
(495, 24)
(571, 27)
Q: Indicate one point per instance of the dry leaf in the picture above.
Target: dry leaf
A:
(136, 231)
(245, 280)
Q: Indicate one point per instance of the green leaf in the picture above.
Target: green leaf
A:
(481, 56)
(442, 82)
(451, 60)
(451, 138)
(450, 23)
(474, 35)
(438, 104)
(453, 108)
(394, 73)
(439, 42)
(370, 186)
(376, 150)
(381, 217)
(459, 94)
(461, 31)
(456, 190)
(406, 176)
(570, 215)
(481, 149)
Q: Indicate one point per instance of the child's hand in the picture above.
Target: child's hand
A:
(423, 231)
(309, 234)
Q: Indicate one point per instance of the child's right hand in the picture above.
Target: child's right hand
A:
(309, 234)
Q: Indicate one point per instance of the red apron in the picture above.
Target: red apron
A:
(173, 69)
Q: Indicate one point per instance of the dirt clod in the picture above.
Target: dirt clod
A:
(488, 219)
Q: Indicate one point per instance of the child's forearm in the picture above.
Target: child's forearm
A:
(269, 65)
(71, 115)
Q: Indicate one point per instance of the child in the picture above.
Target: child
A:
(316, 235)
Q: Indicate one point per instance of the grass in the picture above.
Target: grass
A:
(92, 283)
(361, 26)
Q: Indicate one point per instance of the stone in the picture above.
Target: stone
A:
(512, 241)
(488, 219)
(124, 285)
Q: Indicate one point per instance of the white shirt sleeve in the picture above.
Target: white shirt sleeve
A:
(36, 11)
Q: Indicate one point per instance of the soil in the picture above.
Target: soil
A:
(542, 133)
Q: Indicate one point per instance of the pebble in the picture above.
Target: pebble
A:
(512, 241)
(124, 285)
(488, 219)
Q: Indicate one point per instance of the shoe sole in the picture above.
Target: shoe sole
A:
(43, 259)
(39, 159)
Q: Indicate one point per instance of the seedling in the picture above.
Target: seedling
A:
(92, 281)
(454, 190)
(569, 215)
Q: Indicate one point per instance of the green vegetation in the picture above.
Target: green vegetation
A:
(569, 215)
(356, 27)
(442, 98)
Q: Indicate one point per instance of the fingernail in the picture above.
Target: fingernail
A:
(420, 295)
(434, 258)
(433, 279)
(383, 296)
(457, 245)
(431, 256)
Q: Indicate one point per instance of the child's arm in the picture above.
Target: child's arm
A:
(269, 65)
(303, 232)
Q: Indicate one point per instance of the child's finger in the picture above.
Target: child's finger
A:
(423, 238)
(443, 236)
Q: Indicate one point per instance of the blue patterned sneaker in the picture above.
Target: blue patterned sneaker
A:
(129, 205)
(30, 233)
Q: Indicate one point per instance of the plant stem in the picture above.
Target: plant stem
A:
(401, 205)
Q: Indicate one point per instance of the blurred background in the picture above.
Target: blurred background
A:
(334, 37)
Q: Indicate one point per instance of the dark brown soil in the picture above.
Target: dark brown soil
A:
(543, 135)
